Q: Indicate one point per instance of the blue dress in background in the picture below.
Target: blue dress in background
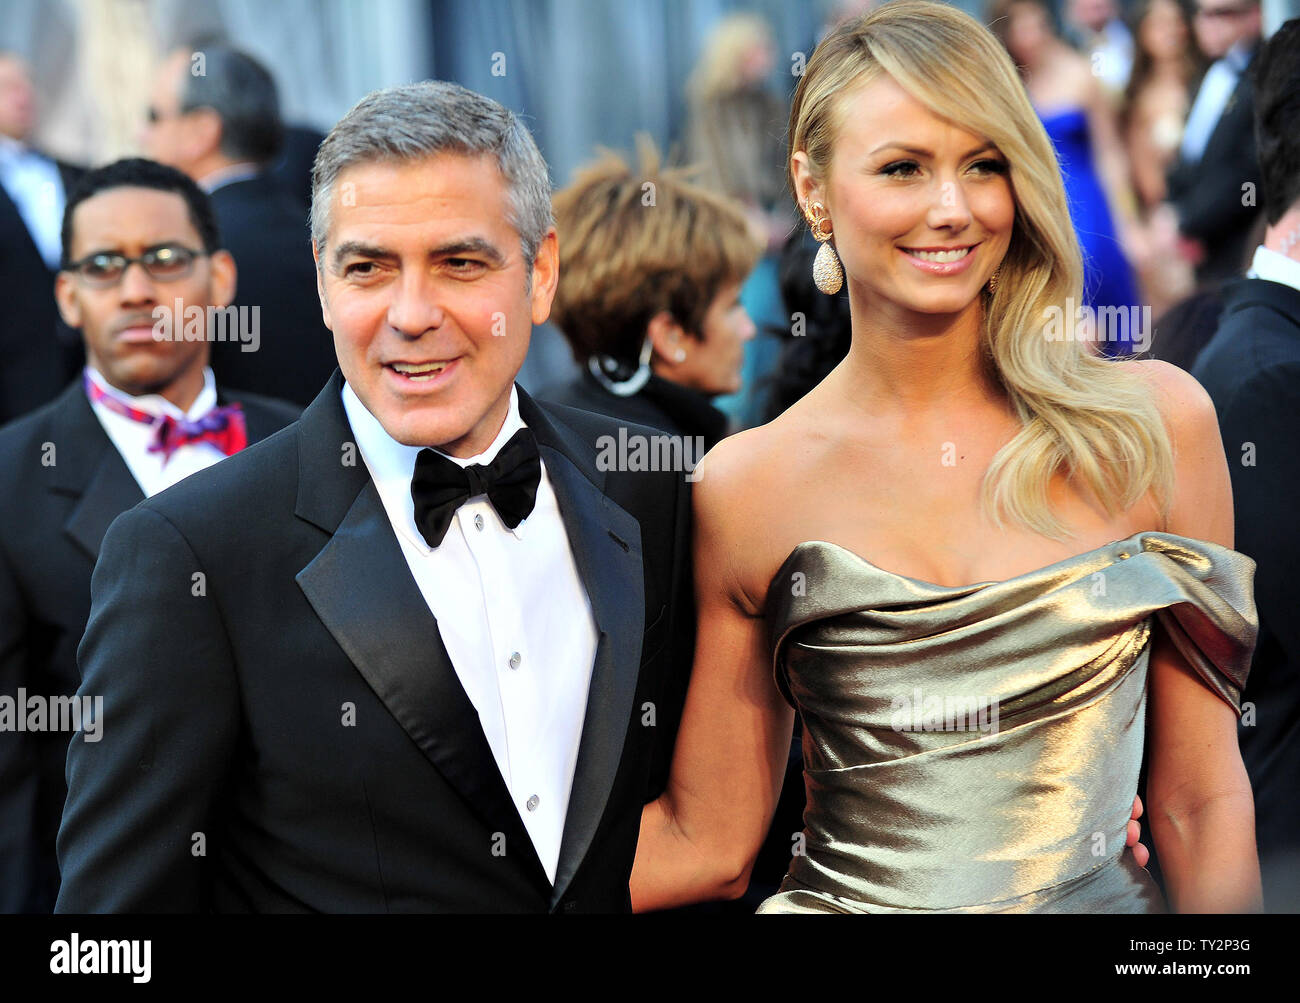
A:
(1108, 277)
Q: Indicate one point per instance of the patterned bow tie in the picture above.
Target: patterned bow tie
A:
(439, 487)
(224, 427)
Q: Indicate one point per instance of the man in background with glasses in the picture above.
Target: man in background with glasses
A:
(140, 270)
(1213, 183)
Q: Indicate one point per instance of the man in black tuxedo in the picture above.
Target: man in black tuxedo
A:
(215, 114)
(117, 434)
(1251, 369)
(37, 354)
(1213, 183)
(424, 650)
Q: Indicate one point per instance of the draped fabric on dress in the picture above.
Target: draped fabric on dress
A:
(976, 748)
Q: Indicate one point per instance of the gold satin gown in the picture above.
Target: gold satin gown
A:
(976, 749)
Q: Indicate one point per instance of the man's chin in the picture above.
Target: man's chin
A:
(140, 382)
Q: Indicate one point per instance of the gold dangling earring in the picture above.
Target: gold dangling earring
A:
(993, 280)
(828, 274)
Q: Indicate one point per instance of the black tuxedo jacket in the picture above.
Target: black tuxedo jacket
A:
(1251, 369)
(64, 483)
(285, 732)
(38, 352)
(1208, 193)
(265, 230)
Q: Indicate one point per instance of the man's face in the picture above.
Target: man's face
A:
(167, 135)
(424, 285)
(17, 99)
(1221, 24)
(118, 322)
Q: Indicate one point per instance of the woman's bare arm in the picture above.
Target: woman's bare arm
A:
(699, 839)
(1202, 811)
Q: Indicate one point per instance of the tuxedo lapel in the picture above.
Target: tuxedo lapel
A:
(361, 588)
(606, 544)
(88, 467)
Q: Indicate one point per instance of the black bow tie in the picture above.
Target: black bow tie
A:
(439, 487)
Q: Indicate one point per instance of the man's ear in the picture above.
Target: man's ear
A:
(225, 278)
(203, 133)
(65, 295)
(546, 276)
(320, 287)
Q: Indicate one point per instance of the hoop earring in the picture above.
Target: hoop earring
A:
(828, 273)
(993, 280)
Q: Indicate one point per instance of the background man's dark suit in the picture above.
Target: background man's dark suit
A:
(38, 353)
(1251, 369)
(265, 229)
(1208, 196)
(305, 717)
(52, 519)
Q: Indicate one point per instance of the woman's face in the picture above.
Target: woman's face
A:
(1028, 32)
(1163, 32)
(713, 361)
(921, 210)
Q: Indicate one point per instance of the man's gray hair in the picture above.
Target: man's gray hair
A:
(242, 92)
(420, 120)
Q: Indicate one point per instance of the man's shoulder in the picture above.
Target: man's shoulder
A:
(592, 426)
(244, 488)
(35, 426)
(271, 411)
(1257, 331)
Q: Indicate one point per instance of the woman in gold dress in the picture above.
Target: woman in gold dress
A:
(1057, 530)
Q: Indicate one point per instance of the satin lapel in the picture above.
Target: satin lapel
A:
(361, 588)
(88, 467)
(606, 544)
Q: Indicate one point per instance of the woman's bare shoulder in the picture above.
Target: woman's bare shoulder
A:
(1186, 408)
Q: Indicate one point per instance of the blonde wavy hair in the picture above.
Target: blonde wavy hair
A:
(1079, 412)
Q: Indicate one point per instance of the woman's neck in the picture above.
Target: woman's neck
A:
(904, 361)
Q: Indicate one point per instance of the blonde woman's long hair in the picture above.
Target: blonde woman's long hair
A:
(1079, 412)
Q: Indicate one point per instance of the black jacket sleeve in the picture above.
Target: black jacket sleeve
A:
(140, 823)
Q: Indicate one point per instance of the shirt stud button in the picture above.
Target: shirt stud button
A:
(478, 521)
(515, 659)
(532, 803)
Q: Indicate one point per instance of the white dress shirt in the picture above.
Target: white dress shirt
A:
(1216, 89)
(514, 617)
(36, 188)
(228, 175)
(133, 438)
(1275, 267)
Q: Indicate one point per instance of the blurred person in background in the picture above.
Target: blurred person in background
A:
(735, 132)
(1084, 130)
(1097, 30)
(1156, 102)
(651, 267)
(736, 123)
(214, 114)
(37, 354)
(1251, 369)
(1211, 202)
(145, 413)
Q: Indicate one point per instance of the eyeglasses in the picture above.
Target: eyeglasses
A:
(154, 116)
(165, 264)
(1223, 13)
